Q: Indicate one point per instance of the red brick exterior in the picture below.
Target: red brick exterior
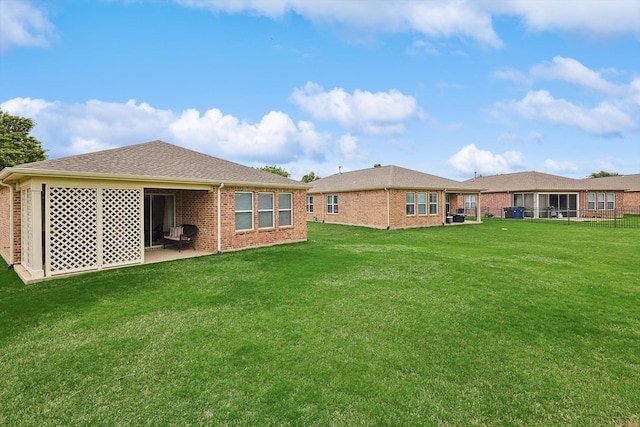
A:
(378, 209)
(200, 208)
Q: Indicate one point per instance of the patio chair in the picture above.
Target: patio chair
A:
(182, 235)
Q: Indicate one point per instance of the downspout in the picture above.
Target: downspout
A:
(388, 207)
(11, 255)
(219, 219)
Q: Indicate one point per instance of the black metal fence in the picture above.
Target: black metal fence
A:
(614, 218)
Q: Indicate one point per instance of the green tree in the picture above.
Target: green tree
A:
(277, 170)
(377, 165)
(16, 146)
(311, 176)
(603, 174)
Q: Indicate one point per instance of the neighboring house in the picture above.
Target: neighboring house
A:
(544, 196)
(103, 209)
(389, 197)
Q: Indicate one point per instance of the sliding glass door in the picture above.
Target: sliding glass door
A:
(159, 216)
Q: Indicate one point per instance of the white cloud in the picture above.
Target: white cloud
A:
(348, 148)
(470, 159)
(560, 167)
(609, 18)
(572, 71)
(380, 113)
(536, 136)
(434, 18)
(448, 18)
(66, 129)
(604, 119)
(22, 24)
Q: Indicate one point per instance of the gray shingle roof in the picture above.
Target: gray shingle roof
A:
(158, 159)
(385, 177)
(538, 181)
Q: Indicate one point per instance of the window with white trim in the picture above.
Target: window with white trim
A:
(469, 201)
(310, 204)
(422, 203)
(592, 202)
(285, 210)
(265, 210)
(411, 204)
(332, 204)
(601, 201)
(244, 211)
(611, 201)
(433, 203)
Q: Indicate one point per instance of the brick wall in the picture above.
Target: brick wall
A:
(369, 208)
(234, 240)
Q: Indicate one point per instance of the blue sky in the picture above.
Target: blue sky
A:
(450, 88)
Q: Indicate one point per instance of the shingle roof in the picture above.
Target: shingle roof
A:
(619, 182)
(156, 159)
(538, 181)
(385, 177)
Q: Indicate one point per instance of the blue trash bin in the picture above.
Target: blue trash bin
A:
(518, 212)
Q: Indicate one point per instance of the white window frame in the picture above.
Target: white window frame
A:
(410, 203)
(243, 211)
(310, 204)
(433, 204)
(591, 203)
(262, 210)
(611, 201)
(601, 201)
(422, 204)
(469, 201)
(281, 209)
(332, 204)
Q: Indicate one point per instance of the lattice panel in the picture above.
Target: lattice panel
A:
(73, 223)
(121, 226)
(26, 215)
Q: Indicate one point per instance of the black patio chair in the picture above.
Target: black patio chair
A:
(182, 235)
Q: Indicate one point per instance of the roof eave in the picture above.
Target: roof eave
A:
(16, 173)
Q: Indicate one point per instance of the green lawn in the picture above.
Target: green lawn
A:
(504, 323)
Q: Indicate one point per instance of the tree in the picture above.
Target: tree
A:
(377, 165)
(16, 146)
(603, 174)
(277, 170)
(311, 176)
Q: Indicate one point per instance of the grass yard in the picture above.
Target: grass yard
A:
(504, 323)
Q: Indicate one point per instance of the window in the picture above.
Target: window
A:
(332, 204)
(469, 202)
(411, 203)
(611, 201)
(244, 211)
(448, 203)
(433, 203)
(309, 203)
(592, 201)
(422, 203)
(285, 210)
(601, 201)
(265, 210)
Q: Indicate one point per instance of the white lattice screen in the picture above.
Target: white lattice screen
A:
(121, 226)
(93, 228)
(73, 233)
(26, 215)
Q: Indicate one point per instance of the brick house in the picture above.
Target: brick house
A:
(544, 195)
(389, 197)
(104, 209)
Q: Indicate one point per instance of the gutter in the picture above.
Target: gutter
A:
(219, 248)
(22, 172)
